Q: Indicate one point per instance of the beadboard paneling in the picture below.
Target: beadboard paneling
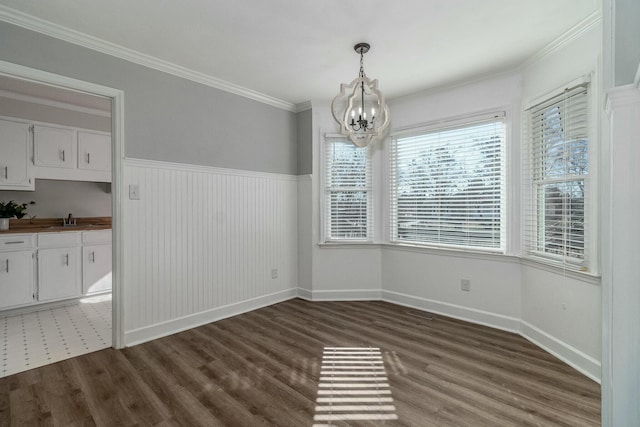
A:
(204, 238)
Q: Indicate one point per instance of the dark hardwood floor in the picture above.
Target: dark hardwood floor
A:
(264, 368)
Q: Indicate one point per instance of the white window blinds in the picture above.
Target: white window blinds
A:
(447, 186)
(556, 178)
(348, 191)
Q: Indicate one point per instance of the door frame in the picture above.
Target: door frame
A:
(117, 173)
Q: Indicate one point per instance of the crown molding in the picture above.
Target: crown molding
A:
(42, 26)
(303, 106)
(51, 103)
(564, 39)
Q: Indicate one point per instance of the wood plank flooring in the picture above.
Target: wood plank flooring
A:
(263, 368)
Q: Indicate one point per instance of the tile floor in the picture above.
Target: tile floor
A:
(35, 339)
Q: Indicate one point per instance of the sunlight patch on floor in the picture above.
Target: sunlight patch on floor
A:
(353, 387)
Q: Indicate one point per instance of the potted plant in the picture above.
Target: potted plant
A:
(12, 209)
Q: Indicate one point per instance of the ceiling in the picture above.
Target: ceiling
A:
(297, 50)
(30, 91)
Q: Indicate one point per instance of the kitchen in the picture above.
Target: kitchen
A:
(55, 261)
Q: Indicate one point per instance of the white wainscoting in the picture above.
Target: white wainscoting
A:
(201, 244)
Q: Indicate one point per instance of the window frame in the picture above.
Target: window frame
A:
(325, 204)
(588, 266)
(500, 114)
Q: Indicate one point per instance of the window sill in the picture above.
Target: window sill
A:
(350, 245)
(542, 264)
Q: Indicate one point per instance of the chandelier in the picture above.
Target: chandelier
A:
(359, 108)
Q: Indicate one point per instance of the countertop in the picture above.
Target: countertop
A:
(54, 225)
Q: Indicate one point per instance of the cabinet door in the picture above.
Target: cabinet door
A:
(15, 169)
(54, 147)
(16, 278)
(96, 269)
(58, 273)
(94, 151)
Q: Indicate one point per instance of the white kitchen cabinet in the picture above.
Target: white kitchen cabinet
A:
(94, 151)
(96, 269)
(15, 166)
(96, 261)
(59, 265)
(54, 147)
(58, 273)
(16, 278)
(71, 154)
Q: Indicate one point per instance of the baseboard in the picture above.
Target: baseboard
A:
(170, 327)
(305, 294)
(573, 357)
(341, 295)
(498, 321)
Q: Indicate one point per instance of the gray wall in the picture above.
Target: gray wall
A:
(627, 41)
(55, 199)
(305, 143)
(44, 113)
(166, 117)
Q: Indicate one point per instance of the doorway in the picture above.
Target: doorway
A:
(78, 322)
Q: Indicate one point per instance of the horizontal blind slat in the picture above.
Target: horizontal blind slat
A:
(447, 186)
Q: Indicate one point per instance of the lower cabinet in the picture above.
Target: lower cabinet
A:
(96, 269)
(58, 273)
(16, 278)
(44, 267)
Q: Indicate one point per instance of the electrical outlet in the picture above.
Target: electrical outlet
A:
(134, 192)
(465, 285)
(274, 273)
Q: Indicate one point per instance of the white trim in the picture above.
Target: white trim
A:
(558, 91)
(547, 265)
(344, 244)
(636, 80)
(117, 135)
(143, 163)
(42, 26)
(451, 122)
(118, 192)
(341, 295)
(51, 103)
(573, 357)
(303, 106)
(305, 294)
(473, 315)
(621, 96)
(567, 37)
(173, 326)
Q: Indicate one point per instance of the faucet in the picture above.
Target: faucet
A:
(69, 222)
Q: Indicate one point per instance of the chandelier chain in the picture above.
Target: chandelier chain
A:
(361, 63)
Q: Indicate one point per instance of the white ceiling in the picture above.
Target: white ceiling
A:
(30, 91)
(298, 50)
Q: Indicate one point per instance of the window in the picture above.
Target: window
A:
(348, 192)
(557, 170)
(447, 186)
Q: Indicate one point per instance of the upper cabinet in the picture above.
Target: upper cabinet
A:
(54, 147)
(94, 151)
(15, 166)
(71, 154)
